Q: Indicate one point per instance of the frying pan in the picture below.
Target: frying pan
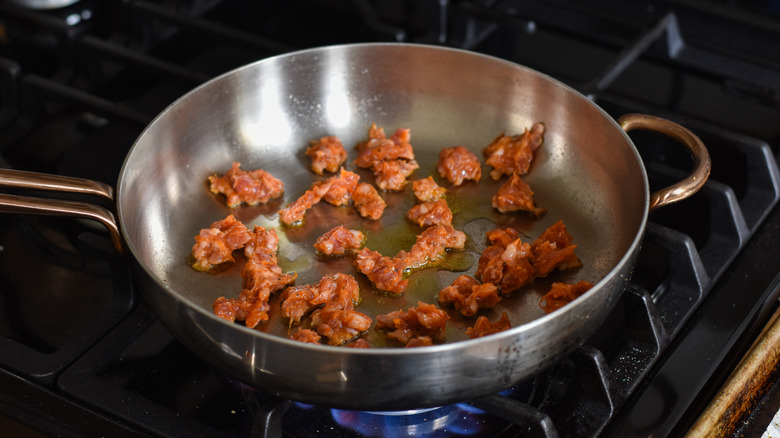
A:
(587, 173)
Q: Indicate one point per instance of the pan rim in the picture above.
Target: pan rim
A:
(514, 332)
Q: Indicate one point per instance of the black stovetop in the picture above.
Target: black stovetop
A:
(82, 355)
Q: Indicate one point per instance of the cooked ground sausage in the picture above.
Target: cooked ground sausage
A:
(507, 265)
(336, 190)
(387, 272)
(423, 320)
(327, 154)
(255, 187)
(331, 303)
(483, 326)
(339, 241)
(426, 190)
(420, 341)
(260, 277)
(215, 245)
(513, 154)
(339, 325)
(553, 249)
(431, 245)
(458, 164)
(391, 159)
(516, 195)
(358, 343)
(391, 175)
(367, 201)
(561, 294)
(430, 213)
(379, 148)
(468, 295)
(306, 335)
(299, 301)
(510, 264)
(502, 236)
(251, 306)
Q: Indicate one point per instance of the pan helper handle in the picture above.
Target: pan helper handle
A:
(36, 205)
(701, 157)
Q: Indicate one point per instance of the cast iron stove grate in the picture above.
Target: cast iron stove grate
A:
(692, 253)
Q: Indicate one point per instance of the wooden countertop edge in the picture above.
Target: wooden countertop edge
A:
(744, 387)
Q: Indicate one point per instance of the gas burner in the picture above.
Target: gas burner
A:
(460, 419)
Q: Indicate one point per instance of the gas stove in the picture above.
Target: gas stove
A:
(81, 354)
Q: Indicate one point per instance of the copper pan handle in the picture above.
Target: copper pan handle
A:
(56, 207)
(701, 157)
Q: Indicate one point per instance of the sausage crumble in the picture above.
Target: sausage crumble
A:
(261, 276)
(336, 190)
(411, 328)
(458, 164)
(561, 294)
(215, 245)
(252, 188)
(513, 154)
(468, 295)
(483, 326)
(339, 241)
(386, 273)
(516, 195)
(327, 154)
(391, 159)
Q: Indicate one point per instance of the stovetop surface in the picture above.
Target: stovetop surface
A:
(706, 278)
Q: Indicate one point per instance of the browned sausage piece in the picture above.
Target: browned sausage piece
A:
(561, 294)
(426, 190)
(423, 320)
(391, 159)
(387, 272)
(333, 302)
(392, 175)
(458, 164)
(339, 241)
(430, 213)
(327, 154)
(339, 325)
(306, 335)
(215, 245)
(468, 295)
(260, 277)
(255, 187)
(367, 201)
(553, 249)
(508, 267)
(513, 154)
(516, 195)
(378, 148)
(336, 190)
(483, 326)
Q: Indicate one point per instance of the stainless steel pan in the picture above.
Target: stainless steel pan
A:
(587, 173)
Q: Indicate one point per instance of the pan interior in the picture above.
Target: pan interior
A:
(264, 115)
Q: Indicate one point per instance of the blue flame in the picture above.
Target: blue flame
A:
(459, 419)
